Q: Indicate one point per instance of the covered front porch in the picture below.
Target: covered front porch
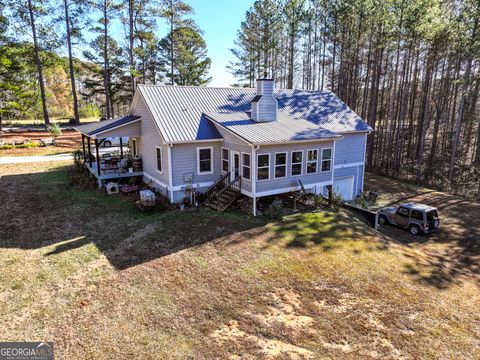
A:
(117, 162)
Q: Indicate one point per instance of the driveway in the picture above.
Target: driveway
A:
(457, 242)
(44, 158)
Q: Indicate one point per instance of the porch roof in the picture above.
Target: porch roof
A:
(96, 128)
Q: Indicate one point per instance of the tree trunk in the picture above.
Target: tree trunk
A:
(461, 108)
(131, 40)
(70, 64)
(38, 62)
(106, 67)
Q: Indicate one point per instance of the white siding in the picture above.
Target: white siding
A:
(148, 142)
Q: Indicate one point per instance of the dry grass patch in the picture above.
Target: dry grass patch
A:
(101, 280)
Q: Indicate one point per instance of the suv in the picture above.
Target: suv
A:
(417, 218)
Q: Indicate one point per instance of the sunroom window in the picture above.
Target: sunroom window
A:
(297, 163)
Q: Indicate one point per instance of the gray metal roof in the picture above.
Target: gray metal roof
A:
(93, 128)
(178, 109)
(285, 129)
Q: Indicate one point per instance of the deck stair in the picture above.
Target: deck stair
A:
(224, 192)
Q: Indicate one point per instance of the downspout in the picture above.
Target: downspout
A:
(170, 171)
(254, 178)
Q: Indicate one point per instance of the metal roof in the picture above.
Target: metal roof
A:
(93, 128)
(178, 109)
(285, 129)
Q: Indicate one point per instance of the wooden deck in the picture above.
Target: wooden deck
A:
(110, 174)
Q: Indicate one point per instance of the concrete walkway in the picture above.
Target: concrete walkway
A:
(34, 159)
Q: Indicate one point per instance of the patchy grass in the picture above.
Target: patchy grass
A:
(102, 280)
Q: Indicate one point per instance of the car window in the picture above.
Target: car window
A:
(402, 212)
(417, 215)
(432, 214)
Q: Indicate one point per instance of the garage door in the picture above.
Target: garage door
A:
(344, 187)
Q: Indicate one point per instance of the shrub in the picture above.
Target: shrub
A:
(54, 130)
(360, 202)
(27, 145)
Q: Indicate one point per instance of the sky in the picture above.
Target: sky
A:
(220, 20)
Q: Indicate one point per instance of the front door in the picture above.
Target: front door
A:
(235, 165)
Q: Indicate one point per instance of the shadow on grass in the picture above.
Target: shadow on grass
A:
(459, 235)
(326, 229)
(43, 210)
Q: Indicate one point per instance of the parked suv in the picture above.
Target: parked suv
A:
(417, 218)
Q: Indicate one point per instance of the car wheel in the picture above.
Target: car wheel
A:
(382, 220)
(107, 143)
(414, 230)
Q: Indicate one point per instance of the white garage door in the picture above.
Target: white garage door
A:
(344, 187)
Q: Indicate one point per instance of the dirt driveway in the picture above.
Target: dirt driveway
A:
(455, 248)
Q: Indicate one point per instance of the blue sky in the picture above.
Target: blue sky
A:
(220, 20)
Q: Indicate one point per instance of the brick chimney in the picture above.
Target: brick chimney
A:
(264, 104)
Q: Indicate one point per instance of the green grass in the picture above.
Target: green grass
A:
(102, 280)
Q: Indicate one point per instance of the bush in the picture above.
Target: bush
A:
(55, 130)
(360, 202)
(20, 146)
(27, 145)
(7, 147)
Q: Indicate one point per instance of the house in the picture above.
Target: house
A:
(259, 141)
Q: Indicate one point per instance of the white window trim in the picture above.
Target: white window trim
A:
(248, 166)
(211, 160)
(331, 160)
(269, 163)
(222, 159)
(292, 163)
(275, 165)
(311, 161)
(161, 158)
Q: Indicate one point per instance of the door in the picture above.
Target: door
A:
(402, 216)
(235, 165)
(344, 187)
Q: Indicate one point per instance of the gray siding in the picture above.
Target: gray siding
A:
(184, 160)
(350, 149)
(292, 181)
(233, 143)
(130, 130)
(148, 142)
(356, 172)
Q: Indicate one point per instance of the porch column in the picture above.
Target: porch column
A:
(83, 146)
(254, 206)
(121, 148)
(98, 157)
(89, 152)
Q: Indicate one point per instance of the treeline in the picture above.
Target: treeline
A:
(83, 58)
(410, 68)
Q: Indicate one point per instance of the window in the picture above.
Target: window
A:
(417, 215)
(432, 215)
(263, 166)
(297, 163)
(204, 165)
(312, 158)
(326, 159)
(246, 166)
(403, 212)
(159, 160)
(280, 165)
(225, 154)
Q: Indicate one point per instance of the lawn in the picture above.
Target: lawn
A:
(102, 280)
(69, 141)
